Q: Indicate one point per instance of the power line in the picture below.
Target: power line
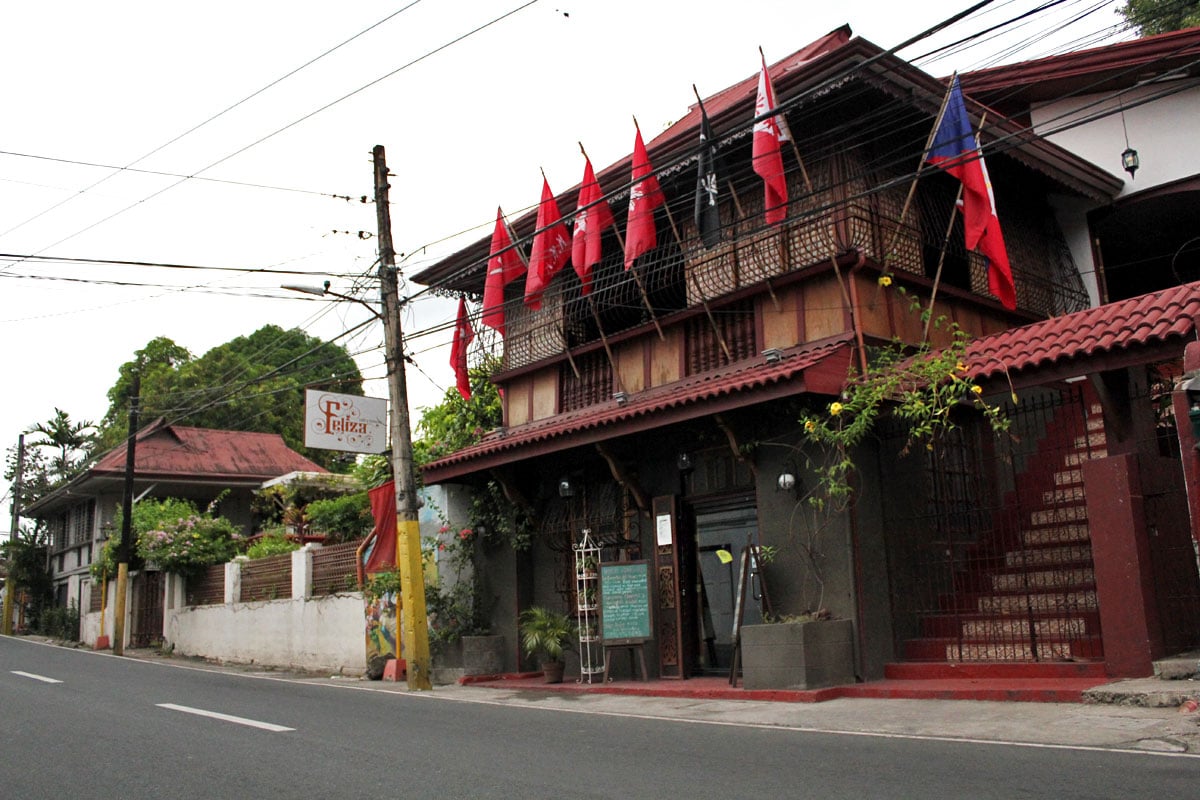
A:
(128, 167)
(292, 124)
(137, 171)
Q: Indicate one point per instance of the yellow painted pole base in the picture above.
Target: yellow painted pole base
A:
(119, 610)
(412, 600)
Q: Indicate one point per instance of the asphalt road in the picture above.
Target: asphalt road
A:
(110, 727)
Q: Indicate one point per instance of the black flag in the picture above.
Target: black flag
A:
(708, 212)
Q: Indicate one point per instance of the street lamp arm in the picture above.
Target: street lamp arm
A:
(325, 292)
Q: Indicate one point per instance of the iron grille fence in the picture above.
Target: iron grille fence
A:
(334, 569)
(267, 578)
(988, 542)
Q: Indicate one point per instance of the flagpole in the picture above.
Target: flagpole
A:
(591, 301)
(791, 139)
(712, 320)
(946, 242)
(633, 267)
(912, 187)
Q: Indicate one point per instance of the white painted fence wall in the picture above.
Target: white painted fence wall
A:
(322, 634)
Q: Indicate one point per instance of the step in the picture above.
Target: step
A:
(975, 625)
(995, 671)
(1054, 516)
(1084, 599)
(1056, 534)
(1069, 477)
(1095, 423)
(1047, 556)
(1008, 651)
(1013, 628)
(1064, 495)
(1075, 459)
(1089, 441)
(1043, 579)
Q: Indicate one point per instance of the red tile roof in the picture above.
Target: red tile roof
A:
(814, 367)
(1108, 68)
(1164, 319)
(178, 451)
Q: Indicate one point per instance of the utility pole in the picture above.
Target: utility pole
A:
(118, 644)
(408, 532)
(9, 586)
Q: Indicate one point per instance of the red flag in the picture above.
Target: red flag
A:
(463, 334)
(645, 196)
(766, 153)
(589, 227)
(955, 150)
(503, 268)
(382, 555)
(551, 248)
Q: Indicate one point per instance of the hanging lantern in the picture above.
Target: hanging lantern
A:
(1129, 160)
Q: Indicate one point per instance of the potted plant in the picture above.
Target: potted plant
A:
(545, 635)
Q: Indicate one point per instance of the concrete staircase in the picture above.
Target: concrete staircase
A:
(1027, 591)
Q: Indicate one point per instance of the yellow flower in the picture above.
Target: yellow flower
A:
(809, 426)
(929, 446)
(885, 280)
(835, 409)
(961, 367)
(977, 389)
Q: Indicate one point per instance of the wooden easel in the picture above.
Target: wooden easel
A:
(749, 552)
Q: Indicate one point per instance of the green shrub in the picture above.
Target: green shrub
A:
(271, 544)
(341, 519)
(60, 622)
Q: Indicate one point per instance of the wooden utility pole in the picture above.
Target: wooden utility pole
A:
(408, 532)
(10, 587)
(126, 546)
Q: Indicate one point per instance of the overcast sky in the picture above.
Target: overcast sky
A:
(91, 86)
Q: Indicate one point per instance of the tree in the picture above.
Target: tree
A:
(1161, 16)
(71, 438)
(455, 423)
(251, 383)
(25, 556)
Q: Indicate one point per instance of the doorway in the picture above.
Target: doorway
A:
(721, 538)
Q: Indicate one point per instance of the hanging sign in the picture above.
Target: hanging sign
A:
(344, 422)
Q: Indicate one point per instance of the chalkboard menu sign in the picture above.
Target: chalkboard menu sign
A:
(625, 603)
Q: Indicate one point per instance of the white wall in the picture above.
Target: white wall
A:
(323, 634)
(1162, 131)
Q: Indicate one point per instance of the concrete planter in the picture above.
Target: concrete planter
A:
(798, 655)
(470, 655)
(483, 655)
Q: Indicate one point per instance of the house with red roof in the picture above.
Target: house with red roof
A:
(659, 415)
(196, 464)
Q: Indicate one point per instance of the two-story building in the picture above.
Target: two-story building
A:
(662, 411)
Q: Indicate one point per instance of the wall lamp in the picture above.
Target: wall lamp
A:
(786, 481)
(565, 487)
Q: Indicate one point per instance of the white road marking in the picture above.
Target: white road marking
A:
(252, 723)
(41, 678)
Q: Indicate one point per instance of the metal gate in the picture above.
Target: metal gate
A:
(987, 537)
(147, 627)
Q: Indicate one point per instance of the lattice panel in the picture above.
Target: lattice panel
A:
(208, 588)
(334, 568)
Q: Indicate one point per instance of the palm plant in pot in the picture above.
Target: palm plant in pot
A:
(545, 635)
